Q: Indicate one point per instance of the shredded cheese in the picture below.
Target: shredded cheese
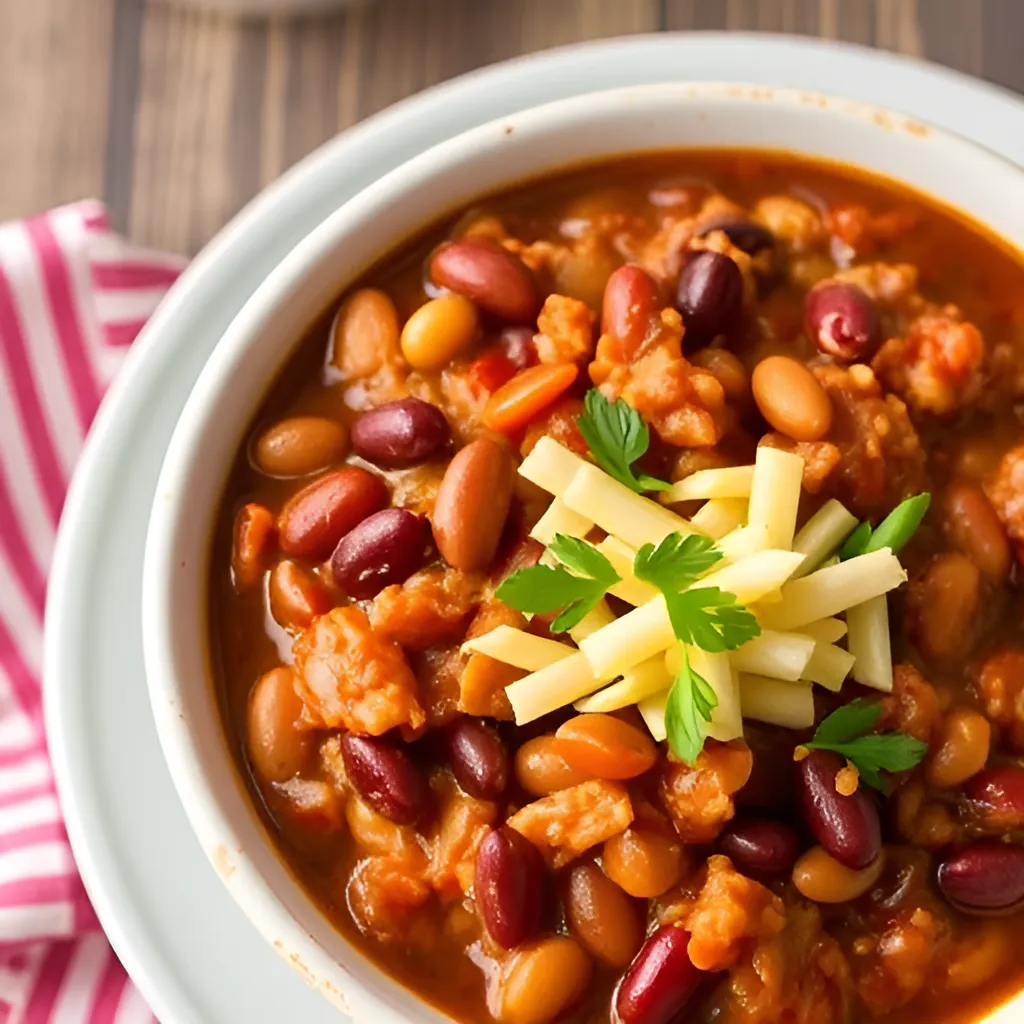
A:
(516, 647)
(730, 482)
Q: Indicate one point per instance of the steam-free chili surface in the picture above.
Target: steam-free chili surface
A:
(914, 337)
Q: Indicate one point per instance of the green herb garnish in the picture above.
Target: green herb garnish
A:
(706, 617)
(690, 703)
(892, 532)
(544, 588)
(847, 732)
(617, 436)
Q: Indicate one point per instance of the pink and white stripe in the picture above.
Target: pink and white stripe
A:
(73, 296)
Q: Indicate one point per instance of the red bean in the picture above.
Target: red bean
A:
(659, 982)
(385, 777)
(984, 877)
(630, 299)
(747, 235)
(478, 758)
(508, 886)
(385, 548)
(760, 846)
(318, 516)
(400, 433)
(846, 826)
(495, 279)
(709, 294)
(842, 321)
(999, 792)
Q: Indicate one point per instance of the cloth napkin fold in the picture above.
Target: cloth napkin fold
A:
(73, 296)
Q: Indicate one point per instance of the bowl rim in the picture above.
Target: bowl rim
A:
(207, 818)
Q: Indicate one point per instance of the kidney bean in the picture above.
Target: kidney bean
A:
(747, 235)
(961, 749)
(709, 294)
(478, 758)
(972, 525)
(296, 597)
(540, 981)
(999, 793)
(385, 777)
(438, 331)
(791, 399)
(630, 300)
(644, 863)
(400, 433)
(541, 769)
(823, 879)
(660, 981)
(842, 321)
(472, 504)
(985, 876)
(846, 826)
(279, 745)
(760, 846)
(508, 886)
(606, 921)
(495, 279)
(385, 548)
(318, 516)
(300, 445)
(605, 747)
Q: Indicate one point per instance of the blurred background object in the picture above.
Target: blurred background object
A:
(177, 116)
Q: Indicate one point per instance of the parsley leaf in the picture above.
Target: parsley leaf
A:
(845, 731)
(690, 703)
(677, 561)
(711, 619)
(545, 588)
(617, 436)
(892, 532)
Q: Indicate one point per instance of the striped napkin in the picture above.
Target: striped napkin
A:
(73, 296)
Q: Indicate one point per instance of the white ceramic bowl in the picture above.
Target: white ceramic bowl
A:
(265, 332)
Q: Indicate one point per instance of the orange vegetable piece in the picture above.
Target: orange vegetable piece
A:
(527, 395)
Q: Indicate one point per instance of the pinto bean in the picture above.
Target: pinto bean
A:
(791, 399)
(318, 516)
(644, 863)
(279, 744)
(823, 879)
(495, 279)
(961, 750)
(472, 504)
(541, 980)
(300, 445)
(541, 769)
(949, 594)
(972, 525)
(438, 331)
(603, 918)
(606, 747)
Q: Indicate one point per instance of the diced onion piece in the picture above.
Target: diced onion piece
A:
(743, 541)
(829, 666)
(551, 688)
(779, 655)
(825, 631)
(868, 642)
(730, 482)
(775, 495)
(516, 647)
(652, 710)
(641, 681)
(619, 511)
(720, 516)
(790, 705)
(834, 589)
(597, 618)
(559, 518)
(822, 534)
(629, 589)
(754, 576)
(726, 721)
(629, 640)
(551, 466)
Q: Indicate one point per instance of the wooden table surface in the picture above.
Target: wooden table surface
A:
(176, 118)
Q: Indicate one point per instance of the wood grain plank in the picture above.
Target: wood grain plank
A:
(54, 88)
(951, 31)
(1002, 35)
